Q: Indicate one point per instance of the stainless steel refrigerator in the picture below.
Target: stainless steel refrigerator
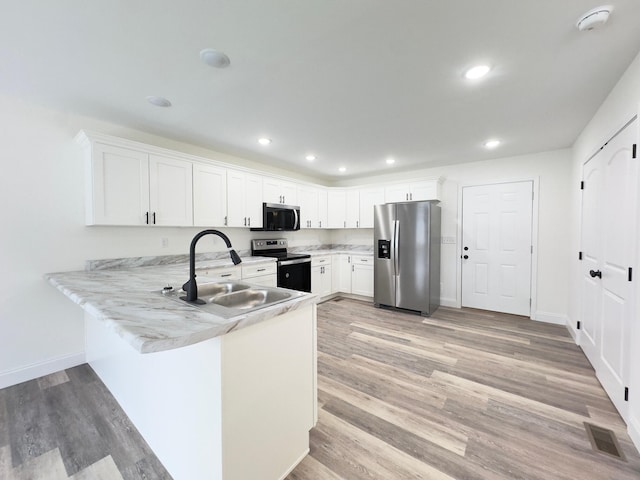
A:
(407, 256)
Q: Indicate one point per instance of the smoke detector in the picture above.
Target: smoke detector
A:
(594, 18)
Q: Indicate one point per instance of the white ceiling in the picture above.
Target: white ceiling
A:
(352, 81)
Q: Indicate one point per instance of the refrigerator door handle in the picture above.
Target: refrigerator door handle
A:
(394, 247)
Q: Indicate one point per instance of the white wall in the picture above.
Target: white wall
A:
(553, 171)
(620, 106)
(42, 218)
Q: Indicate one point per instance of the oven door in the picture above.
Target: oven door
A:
(295, 274)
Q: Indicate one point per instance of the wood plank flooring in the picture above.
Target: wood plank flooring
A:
(462, 395)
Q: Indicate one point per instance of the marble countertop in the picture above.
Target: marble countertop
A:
(129, 301)
(334, 252)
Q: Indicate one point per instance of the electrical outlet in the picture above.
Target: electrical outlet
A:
(165, 242)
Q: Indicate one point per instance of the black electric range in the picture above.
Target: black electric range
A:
(294, 269)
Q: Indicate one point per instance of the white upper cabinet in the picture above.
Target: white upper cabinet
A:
(170, 191)
(413, 191)
(313, 206)
(209, 196)
(244, 199)
(336, 208)
(352, 205)
(323, 212)
(369, 197)
(117, 186)
(276, 190)
(129, 187)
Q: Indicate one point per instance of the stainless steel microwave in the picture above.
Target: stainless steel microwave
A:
(278, 217)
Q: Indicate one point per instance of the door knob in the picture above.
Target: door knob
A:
(466, 248)
(465, 256)
(595, 273)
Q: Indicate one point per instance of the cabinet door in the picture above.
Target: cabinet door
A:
(235, 199)
(344, 276)
(209, 195)
(336, 201)
(362, 280)
(369, 197)
(326, 281)
(253, 204)
(323, 214)
(170, 191)
(308, 201)
(265, 280)
(289, 193)
(426, 190)
(119, 186)
(271, 190)
(396, 193)
(353, 208)
(316, 279)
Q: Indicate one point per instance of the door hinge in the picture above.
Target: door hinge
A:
(633, 151)
(578, 326)
(630, 273)
(582, 185)
(626, 394)
(531, 248)
(529, 302)
(579, 255)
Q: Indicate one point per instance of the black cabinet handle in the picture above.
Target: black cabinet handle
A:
(147, 218)
(595, 273)
(154, 218)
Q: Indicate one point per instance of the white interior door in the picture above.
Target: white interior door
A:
(497, 246)
(608, 242)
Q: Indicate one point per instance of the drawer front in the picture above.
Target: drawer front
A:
(229, 273)
(260, 269)
(362, 259)
(320, 260)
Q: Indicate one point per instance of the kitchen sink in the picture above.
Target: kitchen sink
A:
(229, 299)
(251, 298)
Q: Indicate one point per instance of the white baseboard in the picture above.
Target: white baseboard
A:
(36, 370)
(633, 428)
(547, 317)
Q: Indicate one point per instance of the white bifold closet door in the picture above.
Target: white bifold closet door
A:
(497, 247)
(609, 222)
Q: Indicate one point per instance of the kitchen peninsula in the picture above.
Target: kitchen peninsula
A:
(215, 397)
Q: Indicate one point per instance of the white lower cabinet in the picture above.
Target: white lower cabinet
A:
(321, 275)
(355, 274)
(265, 274)
(226, 273)
(362, 276)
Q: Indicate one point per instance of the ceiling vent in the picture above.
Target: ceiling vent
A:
(594, 18)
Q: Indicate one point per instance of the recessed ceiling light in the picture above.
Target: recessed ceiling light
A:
(214, 58)
(492, 143)
(264, 141)
(158, 101)
(311, 158)
(342, 169)
(390, 161)
(476, 72)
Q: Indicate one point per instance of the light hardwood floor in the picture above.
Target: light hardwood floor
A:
(462, 395)
(465, 394)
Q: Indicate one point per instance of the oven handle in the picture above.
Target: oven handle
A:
(293, 262)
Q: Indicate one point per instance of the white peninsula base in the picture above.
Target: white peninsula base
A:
(234, 407)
